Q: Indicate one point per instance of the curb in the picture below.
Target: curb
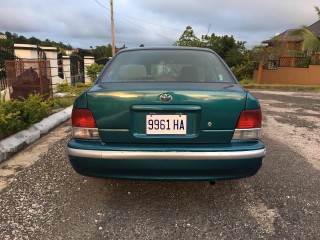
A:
(17, 141)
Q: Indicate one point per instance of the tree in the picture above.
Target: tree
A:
(46, 43)
(13, 38)
(244, 69)
(6, 43)
(233, 52)
(83, 52)
(188, 39)
(8, 34)
(34, 41)
(21, 39)
(102, 52)
(260, 53)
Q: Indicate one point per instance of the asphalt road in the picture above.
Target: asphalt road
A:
(41, 197)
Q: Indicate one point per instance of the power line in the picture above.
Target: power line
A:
(150, 22)
(136, 25)
(138, 19)
(155, 24)
(101, 5)
(143, 28)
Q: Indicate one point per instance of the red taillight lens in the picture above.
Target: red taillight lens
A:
(250, 119)
(83, 118)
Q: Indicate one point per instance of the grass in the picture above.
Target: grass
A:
(251, 84)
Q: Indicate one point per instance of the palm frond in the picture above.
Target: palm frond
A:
(317, 10)
(310, 41)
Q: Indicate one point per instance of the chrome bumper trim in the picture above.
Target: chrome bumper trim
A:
(134, 155)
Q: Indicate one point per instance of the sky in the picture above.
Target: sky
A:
(85, 23)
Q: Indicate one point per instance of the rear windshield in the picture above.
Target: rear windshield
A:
(167, 66)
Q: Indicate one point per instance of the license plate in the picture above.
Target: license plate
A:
(166, 124)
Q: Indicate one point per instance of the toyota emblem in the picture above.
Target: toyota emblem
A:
(165, 97)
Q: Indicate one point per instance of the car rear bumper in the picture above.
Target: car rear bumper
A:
(135, 155)
(156, 163)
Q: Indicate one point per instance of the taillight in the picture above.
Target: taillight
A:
(83, 118)
(84, 125)
(250, 119)
(248, 126)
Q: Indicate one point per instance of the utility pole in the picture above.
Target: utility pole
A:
(112, 29)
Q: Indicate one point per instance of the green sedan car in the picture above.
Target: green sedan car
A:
(166, 114)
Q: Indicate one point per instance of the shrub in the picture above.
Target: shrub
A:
(75, 90)
(93, 70)
(34, 109)
(244, 70)
(19, 115)
(10, 120)
(63, 87)
(62, 102)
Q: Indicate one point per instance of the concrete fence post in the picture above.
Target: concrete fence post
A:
(88, 60)
(52, 56)
(259, 75)
(66, 69)
(26, 51)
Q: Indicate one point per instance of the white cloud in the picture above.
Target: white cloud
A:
(85, 23)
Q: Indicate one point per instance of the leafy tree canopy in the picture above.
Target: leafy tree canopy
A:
(82, 53)
(102, 52)
(13, 38)
(230, 50)
(188, 39)
(233, 52)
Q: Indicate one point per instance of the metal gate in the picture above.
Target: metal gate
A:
(77, 69)
(42, 56)
(27, 77)
(60, 65)
(5, 54)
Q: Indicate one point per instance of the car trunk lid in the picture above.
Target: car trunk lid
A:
(191, 115)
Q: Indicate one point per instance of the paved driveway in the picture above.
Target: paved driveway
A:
(41, 197)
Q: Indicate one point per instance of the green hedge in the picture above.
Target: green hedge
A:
(75, 90)
(19, 115)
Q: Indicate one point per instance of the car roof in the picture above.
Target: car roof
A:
(166, 48)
